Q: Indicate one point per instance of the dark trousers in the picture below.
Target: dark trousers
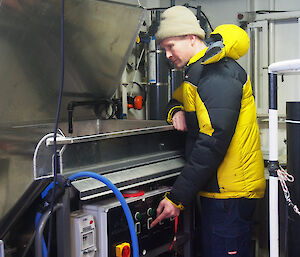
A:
(226, 227)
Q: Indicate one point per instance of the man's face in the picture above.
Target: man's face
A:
(178, 49)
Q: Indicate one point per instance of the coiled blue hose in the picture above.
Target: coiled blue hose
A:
(83, 174)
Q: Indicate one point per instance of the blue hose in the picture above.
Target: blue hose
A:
(135, 246)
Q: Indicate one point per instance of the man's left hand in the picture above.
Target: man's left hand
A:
(165, 210)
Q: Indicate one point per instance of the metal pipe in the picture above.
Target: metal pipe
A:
(40, 230)
(277, 16)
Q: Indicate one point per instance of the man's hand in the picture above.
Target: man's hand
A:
(165, 210)
(178, 121)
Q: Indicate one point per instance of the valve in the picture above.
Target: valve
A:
(136, 102)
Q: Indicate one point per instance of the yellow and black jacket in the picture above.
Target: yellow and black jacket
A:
(224, 159)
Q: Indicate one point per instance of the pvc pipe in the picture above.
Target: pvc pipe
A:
(256, 70)
(271, 41)
(272, 34)
(273, 214)
(122, 200)
(285, 66)
(273, 135)
(273, 166)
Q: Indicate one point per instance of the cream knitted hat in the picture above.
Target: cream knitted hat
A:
(178, 21)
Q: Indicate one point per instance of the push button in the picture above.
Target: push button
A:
(123, 250)
(138, 216)
(150, 212)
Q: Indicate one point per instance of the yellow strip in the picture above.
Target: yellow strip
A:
(179, 206)
(170, 114)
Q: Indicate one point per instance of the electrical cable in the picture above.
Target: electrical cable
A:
(138, 64)
(175, 233)
(56, 121)
(211, 28)
(122, 200)
(143, 90)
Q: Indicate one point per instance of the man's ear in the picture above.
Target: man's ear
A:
(192, 39)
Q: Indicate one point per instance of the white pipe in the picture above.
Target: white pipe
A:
(272, 5)
(273, 214)
(124, 100)
(272, 35)
(250, 6)
(298, 34)
(285, 66)
(273, 184)
(256, 71)
(271, 42)
(277, 16)
(273, 135)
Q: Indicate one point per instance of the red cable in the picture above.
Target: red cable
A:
(174, 239)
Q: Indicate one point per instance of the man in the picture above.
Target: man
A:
(215, 105)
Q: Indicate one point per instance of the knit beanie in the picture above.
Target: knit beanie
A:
(178, 21)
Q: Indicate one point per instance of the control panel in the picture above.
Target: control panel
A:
(114, 233)
(83, 235)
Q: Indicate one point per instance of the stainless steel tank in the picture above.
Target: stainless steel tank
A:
(99, 37)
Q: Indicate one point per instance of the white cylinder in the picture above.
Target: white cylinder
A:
(273, 214)
(273, 135)
(152, 61)
(124, 101)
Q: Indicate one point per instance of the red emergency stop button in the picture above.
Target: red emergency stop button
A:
(123, 250)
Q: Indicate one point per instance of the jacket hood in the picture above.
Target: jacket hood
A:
(227, 40)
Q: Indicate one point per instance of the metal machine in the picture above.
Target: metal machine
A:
(112, 226)
(141, 155)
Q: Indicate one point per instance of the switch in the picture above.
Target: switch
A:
(149, 221)
(123, 250)
(138, 228)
